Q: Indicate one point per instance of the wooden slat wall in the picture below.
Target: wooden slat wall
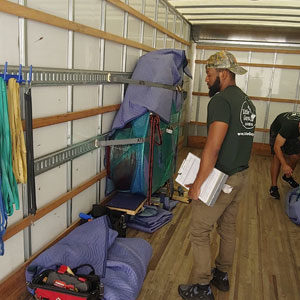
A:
(147, 20)
(39, 16)
(180, 143)
(57, 119)
(198, 142)
(42, 17)
(266, 99)
(13, 287)
(194, 141)
(22, 224)
(263, 50)
(204, 124)
(290, 67)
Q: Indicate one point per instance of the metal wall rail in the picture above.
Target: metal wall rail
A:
(53, 76)
(116, 79)
(57, 158)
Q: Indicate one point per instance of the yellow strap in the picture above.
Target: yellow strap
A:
(16, 132)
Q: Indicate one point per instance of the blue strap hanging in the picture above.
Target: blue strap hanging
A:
(3, 221)
(10, 195)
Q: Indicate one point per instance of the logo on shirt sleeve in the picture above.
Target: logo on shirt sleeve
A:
(247, 115)
(295, 116)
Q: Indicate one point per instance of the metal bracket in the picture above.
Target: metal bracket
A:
(122, 142)
(55, 159)
(118, 79)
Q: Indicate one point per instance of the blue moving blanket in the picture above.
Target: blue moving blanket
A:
(152, 223)
(122, 263)
(126, 268)
(165, 66)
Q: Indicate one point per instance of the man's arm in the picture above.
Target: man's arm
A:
(216, 134)
(279, 142)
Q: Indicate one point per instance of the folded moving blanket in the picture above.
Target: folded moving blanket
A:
(126, 268)
(152, 223)
(121, 263)
(164, 66)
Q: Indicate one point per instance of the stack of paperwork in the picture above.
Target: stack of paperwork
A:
(210, 188)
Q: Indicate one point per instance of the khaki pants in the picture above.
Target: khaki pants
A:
(224, 212)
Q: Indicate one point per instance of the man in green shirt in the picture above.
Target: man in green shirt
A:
(231, 120)
(285, 147)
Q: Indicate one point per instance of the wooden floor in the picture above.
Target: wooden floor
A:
(267, 258)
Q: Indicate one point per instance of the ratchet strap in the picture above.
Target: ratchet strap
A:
(16, 131)
(10, 195)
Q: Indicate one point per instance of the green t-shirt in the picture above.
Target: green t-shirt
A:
(287, 125)
(233, 107)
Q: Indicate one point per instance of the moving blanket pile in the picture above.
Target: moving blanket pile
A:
(121, 263)
(151, 223)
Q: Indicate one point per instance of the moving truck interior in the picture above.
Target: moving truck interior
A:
(76, 59)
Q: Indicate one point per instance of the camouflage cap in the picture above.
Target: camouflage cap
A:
(225, 60)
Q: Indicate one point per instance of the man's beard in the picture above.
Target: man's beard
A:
(215, 88)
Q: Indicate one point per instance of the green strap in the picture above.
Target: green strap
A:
(10, 194)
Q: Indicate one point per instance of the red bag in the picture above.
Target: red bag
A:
(45, 293)
(66, 285)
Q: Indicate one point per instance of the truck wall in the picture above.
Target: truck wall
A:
(101, 35)
(110, 35)
(272, 59)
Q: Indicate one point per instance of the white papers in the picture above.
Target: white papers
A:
(210, 188)
(227, 188)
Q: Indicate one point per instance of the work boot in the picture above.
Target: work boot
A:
(195, 292)
(274, 192)
(291, 181)
(220, 280)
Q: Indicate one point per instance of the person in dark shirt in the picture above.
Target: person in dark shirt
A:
(285, 147)
(231, 119)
